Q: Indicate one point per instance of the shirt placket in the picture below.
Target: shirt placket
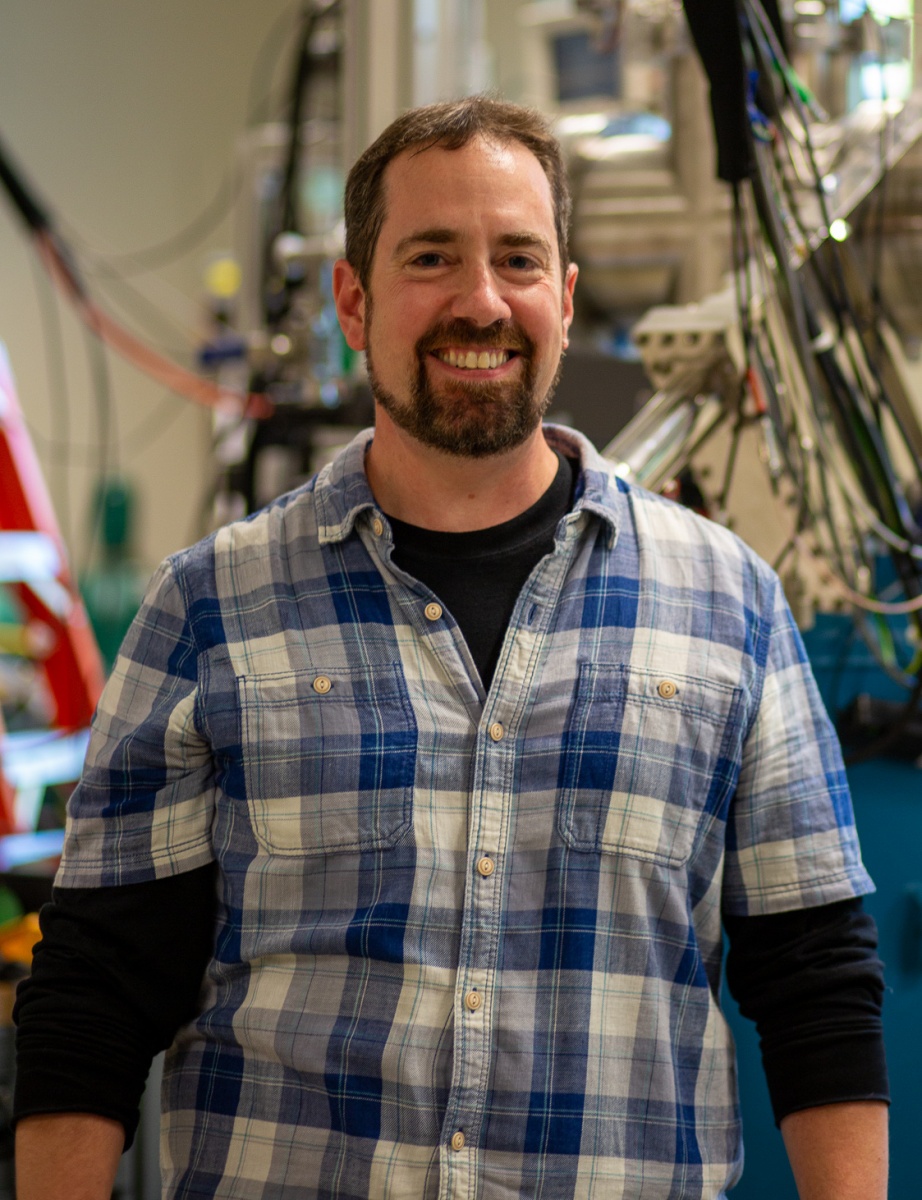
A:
(488, 831)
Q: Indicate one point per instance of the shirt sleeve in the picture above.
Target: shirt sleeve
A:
(143, 808)
(118, 971)
(791, 839)
(813, 983)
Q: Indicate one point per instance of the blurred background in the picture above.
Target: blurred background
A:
(747, 341)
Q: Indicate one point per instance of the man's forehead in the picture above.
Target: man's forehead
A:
(431, 161)
(498, 172)
(495, 148)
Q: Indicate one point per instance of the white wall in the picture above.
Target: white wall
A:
(124, 114)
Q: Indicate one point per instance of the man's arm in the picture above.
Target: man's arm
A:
(839, 1151)
(131, 928)
(812, 982)
(117, 972)
(67, 1156)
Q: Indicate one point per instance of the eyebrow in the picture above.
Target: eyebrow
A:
(526, 240)
(443, 237)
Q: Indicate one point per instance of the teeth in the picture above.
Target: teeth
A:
(473, 360)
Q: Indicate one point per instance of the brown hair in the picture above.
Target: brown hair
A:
(451, 125)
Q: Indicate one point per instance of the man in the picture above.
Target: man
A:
(443, 770)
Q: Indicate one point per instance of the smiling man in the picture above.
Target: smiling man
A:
(418, 803)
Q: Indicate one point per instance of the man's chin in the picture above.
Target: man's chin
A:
(473, 445)
(478, 435)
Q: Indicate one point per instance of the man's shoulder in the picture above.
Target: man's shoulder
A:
(297, 522)
(261, 535)
(669, 520)
(673, 530)
(699, 557)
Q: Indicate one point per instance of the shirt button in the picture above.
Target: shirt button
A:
(457, 1141)
(497, 733)
(322, 685)
(667, 689)
(473, 1001)
(433, 611)
(378, 526)
(486, 866)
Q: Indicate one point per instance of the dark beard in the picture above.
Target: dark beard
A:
(469, 420)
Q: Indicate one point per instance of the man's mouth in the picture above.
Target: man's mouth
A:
(474, 360)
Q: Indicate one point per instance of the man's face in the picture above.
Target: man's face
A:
(466, 312)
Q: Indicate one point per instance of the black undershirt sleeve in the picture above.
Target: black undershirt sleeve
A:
(812, 982)
(118, 971)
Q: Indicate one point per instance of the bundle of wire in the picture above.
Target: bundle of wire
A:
(833, 417)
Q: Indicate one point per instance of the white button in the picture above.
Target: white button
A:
(473, 1001)
(457, 1141)
(667, 689)
(486, 866)
(497, 733)
(322, 685)
(378, 526)
(433, 611)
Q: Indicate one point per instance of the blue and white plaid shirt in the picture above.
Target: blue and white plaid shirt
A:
(469, 945)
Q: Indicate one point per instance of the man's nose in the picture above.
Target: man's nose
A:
(480, 296)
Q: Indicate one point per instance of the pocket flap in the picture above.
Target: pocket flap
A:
(646, 754)
(329, 758)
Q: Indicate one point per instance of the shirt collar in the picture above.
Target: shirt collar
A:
(342, 493)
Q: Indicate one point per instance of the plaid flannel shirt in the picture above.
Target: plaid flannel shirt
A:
(468, 945)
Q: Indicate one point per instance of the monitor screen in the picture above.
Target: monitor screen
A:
(583, 71)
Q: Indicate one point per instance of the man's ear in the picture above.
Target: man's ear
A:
(568, 286)
(349, 298)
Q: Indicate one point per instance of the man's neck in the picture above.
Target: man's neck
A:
(439, 491)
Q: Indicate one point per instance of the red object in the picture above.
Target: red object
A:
(7, 795)
(71, 663)
(756, 390)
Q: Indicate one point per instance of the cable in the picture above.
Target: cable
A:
(839, 396)
(151, 428)
(891, 497)
(107, 437)
(120, 292)
(157, 366)
(288, 219)
(58, 393)
(58, 261)
(160, 254)
(133, 442)
(266, 62)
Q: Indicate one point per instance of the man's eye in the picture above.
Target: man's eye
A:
(521, 262)
(431, 258)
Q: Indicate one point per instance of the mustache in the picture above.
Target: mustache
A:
(501, 335)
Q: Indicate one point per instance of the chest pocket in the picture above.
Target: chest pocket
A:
(644, 756)
(329, 759)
